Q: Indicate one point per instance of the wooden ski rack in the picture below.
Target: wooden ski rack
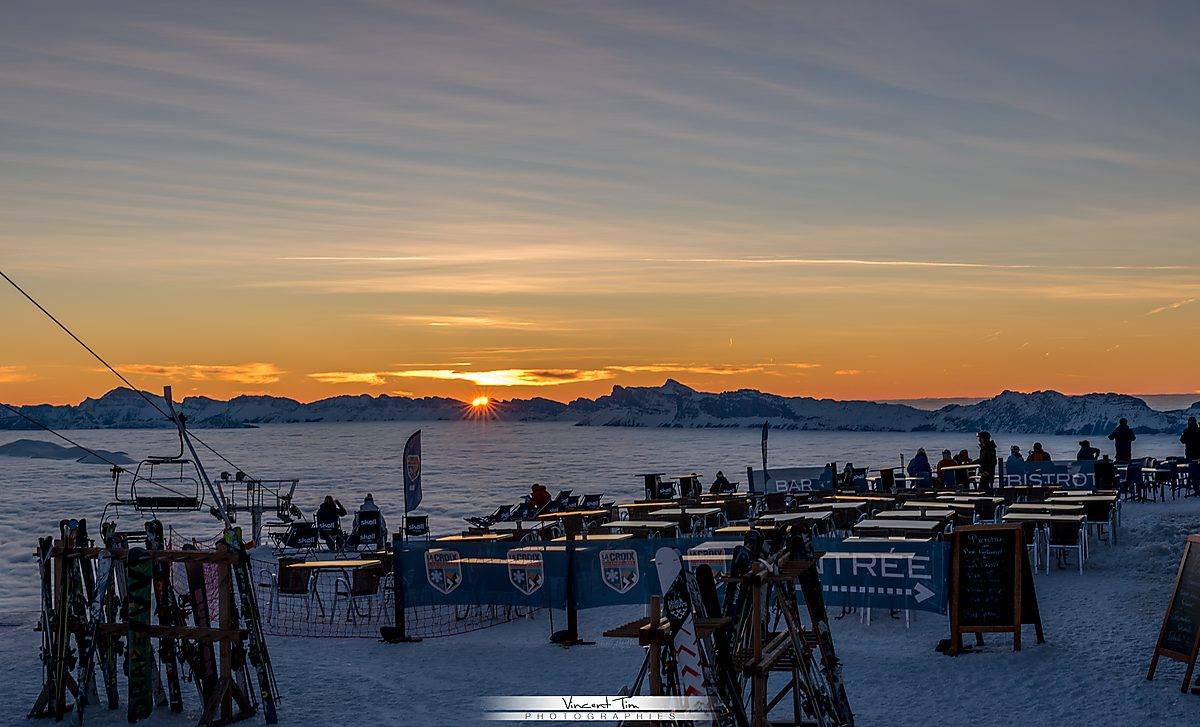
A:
(227, 701)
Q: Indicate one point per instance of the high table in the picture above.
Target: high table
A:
(905, 527)
(645, 528)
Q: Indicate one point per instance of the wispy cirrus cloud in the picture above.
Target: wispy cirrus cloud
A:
(847, 372)
(455, 321)
(687, 368)
(349, 377)
(247, 373)
(497, 377)
(16, 375)
(1173, 306)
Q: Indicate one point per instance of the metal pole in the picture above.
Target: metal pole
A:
(217, 496)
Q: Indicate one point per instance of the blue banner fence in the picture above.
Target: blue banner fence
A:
(609, 573)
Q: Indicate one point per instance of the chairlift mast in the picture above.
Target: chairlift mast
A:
(218, 494)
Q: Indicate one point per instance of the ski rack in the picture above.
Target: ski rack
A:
(770, 637)
(229, 635)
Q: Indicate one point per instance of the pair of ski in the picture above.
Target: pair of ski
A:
(699, 667)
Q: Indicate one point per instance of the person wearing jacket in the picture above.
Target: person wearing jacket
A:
(987, 461)
(1014, 464)
(328, 522)
(1087, 452)
(539, 496)
(1123, 437)
(1190, 439)
(943, 463)
(919, 468)
(1037, 454)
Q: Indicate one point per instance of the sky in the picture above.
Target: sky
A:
(849, 200)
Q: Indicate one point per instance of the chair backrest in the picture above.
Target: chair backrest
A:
(728, 487)
(564, 496)
(365, 581)
(591, 502)
(887, 480)
(416, 526)
(1106, 474)
(293, 581)
(327, 526)
(368, 529)
(301, 535)
(776, 501)
(1064, 534)
(665, 490)
(573, 501)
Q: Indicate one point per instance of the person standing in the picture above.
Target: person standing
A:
(987, 461)
(1123, 437)
(1191, 440)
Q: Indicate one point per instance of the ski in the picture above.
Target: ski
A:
(47, 624)
(110, 645)
(728, 682)
(86, 675)
(62, 647)
(83, 570)
(166, 609)
(138, 576)
(259, 657)
(800, 547)
(204, 659)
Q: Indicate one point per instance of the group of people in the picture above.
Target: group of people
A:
(329, 514)
(1123, 437)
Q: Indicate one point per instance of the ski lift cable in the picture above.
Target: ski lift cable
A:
(89, 450)
(116, 373)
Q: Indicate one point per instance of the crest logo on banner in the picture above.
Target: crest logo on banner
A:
(442, 570)
(413, 464)
(526, 571)
(619, 568)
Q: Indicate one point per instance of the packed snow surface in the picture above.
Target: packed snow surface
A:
(1100, 626)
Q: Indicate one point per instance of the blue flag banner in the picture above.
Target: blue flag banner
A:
(791, 479)
(1078, 475)
(412, 472)
(608, 573)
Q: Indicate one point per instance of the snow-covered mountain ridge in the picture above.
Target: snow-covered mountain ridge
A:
(671, 405)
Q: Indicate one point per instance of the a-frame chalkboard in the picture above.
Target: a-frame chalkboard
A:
(1179, 637)
(991, 585)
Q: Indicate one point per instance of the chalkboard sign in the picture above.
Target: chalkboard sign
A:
(991, 586)
(1179, 637)
(987, 569)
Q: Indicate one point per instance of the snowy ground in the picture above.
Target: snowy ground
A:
(1100, 630)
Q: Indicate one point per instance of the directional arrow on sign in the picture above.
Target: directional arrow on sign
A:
(921, 593)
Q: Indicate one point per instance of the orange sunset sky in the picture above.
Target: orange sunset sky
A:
(520, 200)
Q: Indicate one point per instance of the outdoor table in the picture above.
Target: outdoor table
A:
(505, 526)
(475, 538)
(1098, 508)
(902, 526)
(921, 514)
(697, 518)
(336, 564)
(595, 536)
(640, 508)
(572, 520)
(649, 528)
(894, 539)
(820, 520)
(1048, 508)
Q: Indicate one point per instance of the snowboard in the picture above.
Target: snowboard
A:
(166, 609)
(139, 575)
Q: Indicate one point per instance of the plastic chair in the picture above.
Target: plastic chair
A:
(292, 583)
(362, 587)
(1063, 537)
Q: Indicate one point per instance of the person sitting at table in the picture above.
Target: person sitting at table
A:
(719, 483)
(1190, 439)
(1123, 437)
(963, 457)
(369, 508)
(1014, 463)
(919, 467)
(987, 461)
(943, 463)
(539, 496)
(1087, 452)
(1037, 454)
(328, 522)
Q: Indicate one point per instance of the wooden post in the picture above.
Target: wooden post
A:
(654, 664)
